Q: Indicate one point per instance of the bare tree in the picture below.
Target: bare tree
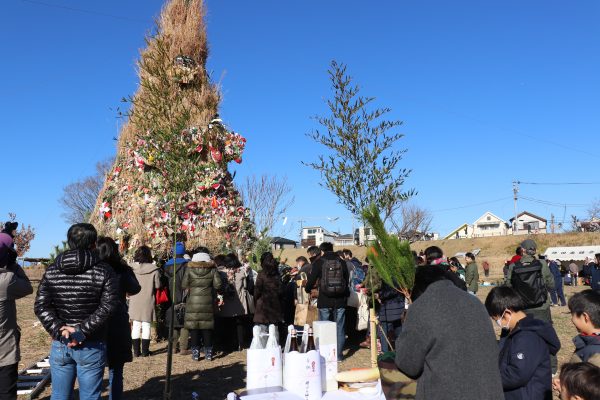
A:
(268, 197)
(411, 222)
(594, 210)
(79, 198)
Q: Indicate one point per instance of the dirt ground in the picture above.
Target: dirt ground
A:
(144, 377)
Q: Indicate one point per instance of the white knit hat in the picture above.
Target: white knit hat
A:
(201, 257)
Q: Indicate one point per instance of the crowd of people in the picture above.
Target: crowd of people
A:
(99, 308)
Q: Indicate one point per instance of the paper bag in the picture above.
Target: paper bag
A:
(306, 311)
(362, 320)
(264, 368)
(305, 314)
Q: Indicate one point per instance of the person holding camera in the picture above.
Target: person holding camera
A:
(14, 284)
(75, 299)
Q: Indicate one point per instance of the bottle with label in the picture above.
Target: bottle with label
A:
(310, 344)
(294, 342)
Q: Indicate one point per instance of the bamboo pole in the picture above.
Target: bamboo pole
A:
(373, 322)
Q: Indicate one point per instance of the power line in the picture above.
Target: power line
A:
(557, 183)
(472, 205)
(552, 203)
(84, 11)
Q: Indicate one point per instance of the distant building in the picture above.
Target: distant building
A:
(364, 235)
(464, 231)
(528, 223)
(490, 225)
(592, 225)
(315, 235)
(344, 240)
(279, 243)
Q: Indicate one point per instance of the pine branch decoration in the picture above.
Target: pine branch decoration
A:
(391, 257)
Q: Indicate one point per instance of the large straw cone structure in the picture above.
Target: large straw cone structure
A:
(138, 202)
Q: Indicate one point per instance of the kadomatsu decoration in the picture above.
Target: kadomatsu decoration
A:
(170, 176)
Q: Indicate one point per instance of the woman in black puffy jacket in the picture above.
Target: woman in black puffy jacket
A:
(119, 333)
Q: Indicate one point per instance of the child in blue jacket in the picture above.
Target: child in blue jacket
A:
(525, 347)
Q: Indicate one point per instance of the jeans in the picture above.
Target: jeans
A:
(85, 362)
(337, 315)
(558, 294)
(8, 382)
(394, 328)
(115, 382)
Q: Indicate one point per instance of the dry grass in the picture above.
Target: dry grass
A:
(494, 250)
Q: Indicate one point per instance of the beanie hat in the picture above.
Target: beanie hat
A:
(6, 241)
(179, 249)
(528, 244)
(201, 257)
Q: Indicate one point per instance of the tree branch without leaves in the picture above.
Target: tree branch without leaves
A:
(79, 198)
(412, 223)
(269, 198)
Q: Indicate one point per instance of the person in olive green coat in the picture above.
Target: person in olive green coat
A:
(202, 281)
(471, 274)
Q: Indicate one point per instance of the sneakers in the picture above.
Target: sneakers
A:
(208, 354)
(195, 354)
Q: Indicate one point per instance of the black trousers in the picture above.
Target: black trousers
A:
(207, 336)
(8, 382)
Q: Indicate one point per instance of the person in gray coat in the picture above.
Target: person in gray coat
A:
(14, 284)
(141, 306)
(447, 342)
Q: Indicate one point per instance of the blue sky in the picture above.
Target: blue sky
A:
(489, 92)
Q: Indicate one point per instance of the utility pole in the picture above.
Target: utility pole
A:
(551, 223)
(515, 193)
(301, 221)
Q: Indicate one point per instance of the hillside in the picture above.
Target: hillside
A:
(494, 250)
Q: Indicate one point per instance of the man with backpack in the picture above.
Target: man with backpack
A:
(531, 278)
(333, 276)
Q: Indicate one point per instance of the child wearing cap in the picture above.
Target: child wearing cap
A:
(526, 344)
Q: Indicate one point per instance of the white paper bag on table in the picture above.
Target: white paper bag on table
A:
(264, 368)
(303, 374)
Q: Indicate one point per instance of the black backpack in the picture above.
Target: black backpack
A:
(333, 283)
(528, 282)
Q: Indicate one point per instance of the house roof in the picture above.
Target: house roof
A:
(531, 215)
(463, 226)
(281, 240)
(345, 236)
(490, 213)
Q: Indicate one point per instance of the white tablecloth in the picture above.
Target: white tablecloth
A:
(333, 395)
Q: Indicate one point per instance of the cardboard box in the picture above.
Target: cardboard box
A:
(325, 335)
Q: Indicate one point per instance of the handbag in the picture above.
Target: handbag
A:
(306, 310)
(180, 313)
(161, 296)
